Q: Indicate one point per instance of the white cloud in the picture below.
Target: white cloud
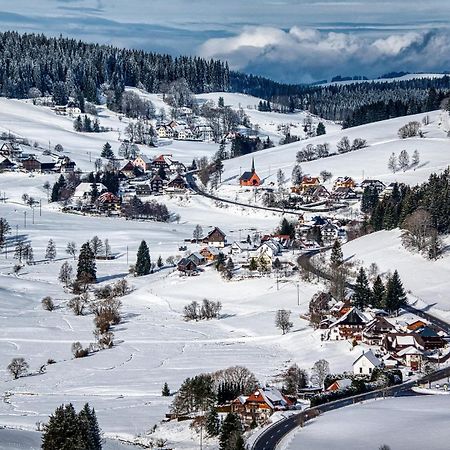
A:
(305, 54)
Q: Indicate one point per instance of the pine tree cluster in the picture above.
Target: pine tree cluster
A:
(67, 430)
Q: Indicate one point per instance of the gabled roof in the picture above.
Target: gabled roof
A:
(370, 357)
(247, 176)
(409, 351)
(144, 158)
(214, 230)
(352, 317)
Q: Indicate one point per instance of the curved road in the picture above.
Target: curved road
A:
(194, 187)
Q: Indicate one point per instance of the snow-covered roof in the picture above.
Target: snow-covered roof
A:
(84, 189)
(411, 350)
(370, 357)
(354, 316)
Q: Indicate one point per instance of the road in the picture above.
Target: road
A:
(271, 437)
(194, 187)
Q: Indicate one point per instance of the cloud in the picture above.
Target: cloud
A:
(305, 54)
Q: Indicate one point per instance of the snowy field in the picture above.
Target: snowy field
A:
(370, 162)
(428, 281)
(154, 344)
(403, 423)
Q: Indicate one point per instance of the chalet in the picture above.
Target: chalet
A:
(5, 163)
(394, 342)
(430, 337)
(349, 326)
(43, 164)
(143, 162)
(339, 385)
(412, 357)
(366, 364)
(271, 248)
(167, 163)
(108, 202)
(11, 151)
(390, 361)
(83, 190)
(344, 182)
(197, 258)
(306, 183)
(316, 193)
(143, 190)
(164, 132)
(157, 185)
(183, 133)
(344, 193)
(187, 267)
(127, 170)
(64, 165)
(210, 253)
(204, 132)
(260, 405)
(341, 308)
(238, 248)
(250, 178)
(378, 185)
(375, 330)
(416, 325)
(177, 184)
(330, 232)
(215, 238)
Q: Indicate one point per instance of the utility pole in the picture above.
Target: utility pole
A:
(24, 219)
(298, 293)
(40, 208)
(32, 209)
(127, 255)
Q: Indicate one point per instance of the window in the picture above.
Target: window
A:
(360, 370)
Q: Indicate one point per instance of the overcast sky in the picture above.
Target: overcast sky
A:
(290, 40)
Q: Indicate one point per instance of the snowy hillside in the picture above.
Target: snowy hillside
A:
(393, 422)
(408, 77)
(370, 162)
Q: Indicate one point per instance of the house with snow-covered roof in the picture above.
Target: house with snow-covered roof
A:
(349, 326)
(366, 364)
(260, 405)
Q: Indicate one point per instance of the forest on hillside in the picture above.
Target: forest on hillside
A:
(33, 65)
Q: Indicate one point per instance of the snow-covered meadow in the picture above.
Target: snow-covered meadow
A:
(154, 343)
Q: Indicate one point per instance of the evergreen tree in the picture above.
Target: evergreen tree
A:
(230, 433)
(50, 252)
(143, 262)
(89, 429)
(160, 263)
(395, 296)
(78, 124)
(337, 257)
(107, 151)
(378, 293)
(212, 423)
(86, 270)
(362, 293)
(63, 431)
(165, 390)
(320, 129)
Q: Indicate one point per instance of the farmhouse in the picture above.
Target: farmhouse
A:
(366, 363)
(187, 267)
(143, 162)
(260, 405)
(349, 326)
(376, 329)
(215, 238)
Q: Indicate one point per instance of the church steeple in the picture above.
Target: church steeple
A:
(253, 165)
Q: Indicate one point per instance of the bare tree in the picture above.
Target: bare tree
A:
(326, 175)
(294, 379)
(65, 273)
(198, 233)
(78, 304)
(415, 158)
(71, 249)
(403, 160)
(344, 146)
(17, 367)
(96, 245)
(417, 229)
(411, 129)
(319, 372)
(392, 163)
(282, 320)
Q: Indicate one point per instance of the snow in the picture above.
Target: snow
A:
(370, 162)
(397, 422)
(153, 343)
(408, 77)
(385, 249)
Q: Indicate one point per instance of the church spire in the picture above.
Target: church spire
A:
(253, 165)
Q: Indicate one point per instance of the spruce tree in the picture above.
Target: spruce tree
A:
(378, 293)
(337, 257)
(320, 129)
(362, 294)
(86, 270)
(395, 296)
(165, 390)
(143, 262)
(230, 432)
(107, 151)
(63, 431)
(212, 423)
(50, 252)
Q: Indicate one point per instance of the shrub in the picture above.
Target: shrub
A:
(47, 304)
(78, 351)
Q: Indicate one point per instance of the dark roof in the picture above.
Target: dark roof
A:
(352, 318)
(426, 332)
(246, 176)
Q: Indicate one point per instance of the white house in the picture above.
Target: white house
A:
(366, 363)
(271, 248)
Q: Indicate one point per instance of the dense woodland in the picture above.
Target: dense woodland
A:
(33, 65)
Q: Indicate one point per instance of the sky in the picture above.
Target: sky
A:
(287, 40)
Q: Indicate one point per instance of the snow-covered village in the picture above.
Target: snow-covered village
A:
(232, 250)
